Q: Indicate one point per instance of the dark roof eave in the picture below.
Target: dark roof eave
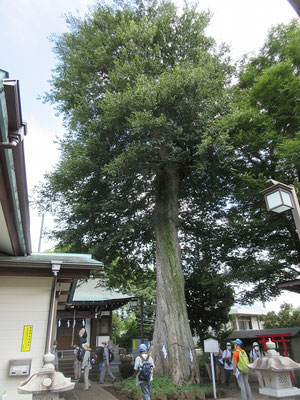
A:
(292, 286)
(252, 333)
(99, 302)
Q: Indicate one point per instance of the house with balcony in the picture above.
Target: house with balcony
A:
(246, 317)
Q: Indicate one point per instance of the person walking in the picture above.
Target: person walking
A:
(240, 369)
(144, 366)
(106, 366)
(255, 353)
(77, 361)
(86, 365)
(228, 364)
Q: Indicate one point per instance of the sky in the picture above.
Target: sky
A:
(26, 53)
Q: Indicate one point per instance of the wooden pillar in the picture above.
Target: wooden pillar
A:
(94, 333)
(110, 323)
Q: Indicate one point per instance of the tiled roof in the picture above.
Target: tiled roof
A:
(91, 290)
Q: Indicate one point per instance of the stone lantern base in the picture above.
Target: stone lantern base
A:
(45, 396)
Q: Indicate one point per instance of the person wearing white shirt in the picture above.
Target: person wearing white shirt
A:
(228, 365)
(255, 353)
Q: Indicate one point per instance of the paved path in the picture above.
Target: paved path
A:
(234, 393)
(96, 392)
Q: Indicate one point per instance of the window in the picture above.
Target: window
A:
(244, 323)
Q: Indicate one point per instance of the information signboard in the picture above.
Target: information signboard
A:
(26, 340)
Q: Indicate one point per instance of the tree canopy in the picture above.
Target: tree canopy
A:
(287, 317)
(263, 248)
(164, 158)
(140, 87)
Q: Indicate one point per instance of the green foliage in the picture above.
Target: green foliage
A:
(143, 91)
(164, 384)
(131, 83)
(209, 299)
(117, 326)
(100, 353)
(126, 369)
(202, 367)
(263, 248)
(286, 318)
(131, 330)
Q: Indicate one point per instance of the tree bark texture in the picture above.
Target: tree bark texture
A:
(173, 347)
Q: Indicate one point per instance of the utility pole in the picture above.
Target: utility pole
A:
(41, 233)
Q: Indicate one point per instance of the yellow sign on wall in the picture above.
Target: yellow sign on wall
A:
(27, 334)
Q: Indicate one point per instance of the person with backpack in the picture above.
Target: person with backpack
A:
(241, 370)
(106, 365)
(77, 361)
(86, 365)
(144, 367)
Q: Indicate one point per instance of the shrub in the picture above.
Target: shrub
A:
(126, 369)
(164, 384)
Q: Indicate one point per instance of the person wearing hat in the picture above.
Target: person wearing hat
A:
(146, 385)
(106, 366)
(255, 353)
(86, 365)
(228, 364)
(238, 356)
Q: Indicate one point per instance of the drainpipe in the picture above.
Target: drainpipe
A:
(56, 265)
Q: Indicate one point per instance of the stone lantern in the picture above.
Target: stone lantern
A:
(276, 371)
(48, 383)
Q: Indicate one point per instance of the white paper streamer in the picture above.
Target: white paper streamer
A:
(83, 322)
(68, 324)
(59, 323)
(164, 350)
(191, 356)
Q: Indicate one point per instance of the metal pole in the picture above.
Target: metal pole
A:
(213, 374)
(41, 233)
(142, 319)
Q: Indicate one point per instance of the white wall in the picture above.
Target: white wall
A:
(23, 301)
(255, 323)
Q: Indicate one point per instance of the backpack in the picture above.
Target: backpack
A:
(93, 358)
(79, 354)
(243, 361)
(144, 373)
(111, 355)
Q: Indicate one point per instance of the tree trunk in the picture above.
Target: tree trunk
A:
(173, 347)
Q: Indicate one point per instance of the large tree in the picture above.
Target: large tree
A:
(140, 87)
